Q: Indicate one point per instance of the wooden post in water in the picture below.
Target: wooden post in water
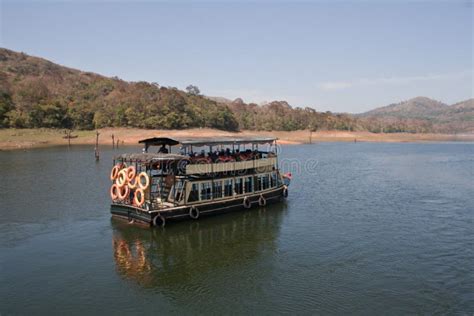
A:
(117, 143)
(97, 145)
(113, 141)
(68, 135)
(310, 136)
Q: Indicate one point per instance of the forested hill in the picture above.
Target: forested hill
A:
(38, 93)
(35, 92)
(435, 115)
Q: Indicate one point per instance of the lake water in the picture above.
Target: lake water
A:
(367, 229)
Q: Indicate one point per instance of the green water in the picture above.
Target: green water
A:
(367, 229)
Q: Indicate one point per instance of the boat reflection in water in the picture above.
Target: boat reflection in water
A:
(173, 256)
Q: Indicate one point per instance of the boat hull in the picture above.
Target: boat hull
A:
(213, 207)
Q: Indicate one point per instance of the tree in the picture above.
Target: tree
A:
(6, 105)
(192, 90)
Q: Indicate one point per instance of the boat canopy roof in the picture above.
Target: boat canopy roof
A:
(210, 141)
(205, 141)
(158, 141)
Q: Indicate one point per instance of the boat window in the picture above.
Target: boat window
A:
(249, 184)
(239, 186)
(278, 179)
(273, 179)
(217, 190)
(258, 183)
(206, 191)
(265, 181)
(178, 191)
(194, 193)
(228, 190)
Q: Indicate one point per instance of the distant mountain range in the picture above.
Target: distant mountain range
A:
(455, 117)
(35, 92)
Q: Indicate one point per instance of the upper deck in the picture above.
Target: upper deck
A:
(206, 155)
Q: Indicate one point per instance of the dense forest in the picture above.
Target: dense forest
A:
(37, 93)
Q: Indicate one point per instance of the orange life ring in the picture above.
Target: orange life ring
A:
(114, 189)
(140, 182)
(133, 184)
(131, 173)
(122, 178)
(139, 201)
(114, 172)
(123, 192)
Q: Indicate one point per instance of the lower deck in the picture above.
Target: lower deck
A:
(197, 210)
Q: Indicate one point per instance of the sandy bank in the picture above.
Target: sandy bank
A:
(32, 138)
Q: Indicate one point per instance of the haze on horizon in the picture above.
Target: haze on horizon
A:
(341, 57)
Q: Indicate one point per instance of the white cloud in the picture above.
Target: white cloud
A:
(336, 85)
(341, 85)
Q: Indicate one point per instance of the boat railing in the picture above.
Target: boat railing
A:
(200, 168)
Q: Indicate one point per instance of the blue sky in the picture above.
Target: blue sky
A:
(336, 56)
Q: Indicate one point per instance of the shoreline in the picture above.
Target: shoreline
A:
(20, 139)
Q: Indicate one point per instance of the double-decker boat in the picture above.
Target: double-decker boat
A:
(207, 176)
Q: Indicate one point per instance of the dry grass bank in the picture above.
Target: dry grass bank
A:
(33, 138)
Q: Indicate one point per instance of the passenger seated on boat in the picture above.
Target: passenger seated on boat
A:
(163, 150)
(224, 157)
(213, 156)
(236, 155)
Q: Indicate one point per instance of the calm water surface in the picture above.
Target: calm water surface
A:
(367, 229)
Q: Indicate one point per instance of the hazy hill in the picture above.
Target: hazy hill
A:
(458, 117)
(419, 107)
(219, 99)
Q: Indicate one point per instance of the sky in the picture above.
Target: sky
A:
(340, 56)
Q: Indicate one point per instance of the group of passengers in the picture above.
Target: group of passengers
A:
(225, 155)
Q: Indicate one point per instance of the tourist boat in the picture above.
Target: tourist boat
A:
(207, 176)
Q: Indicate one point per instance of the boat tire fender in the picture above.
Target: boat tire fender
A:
(194, 212)
(262, 201)
(159, 220)
(246, 202)
(285, 192)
